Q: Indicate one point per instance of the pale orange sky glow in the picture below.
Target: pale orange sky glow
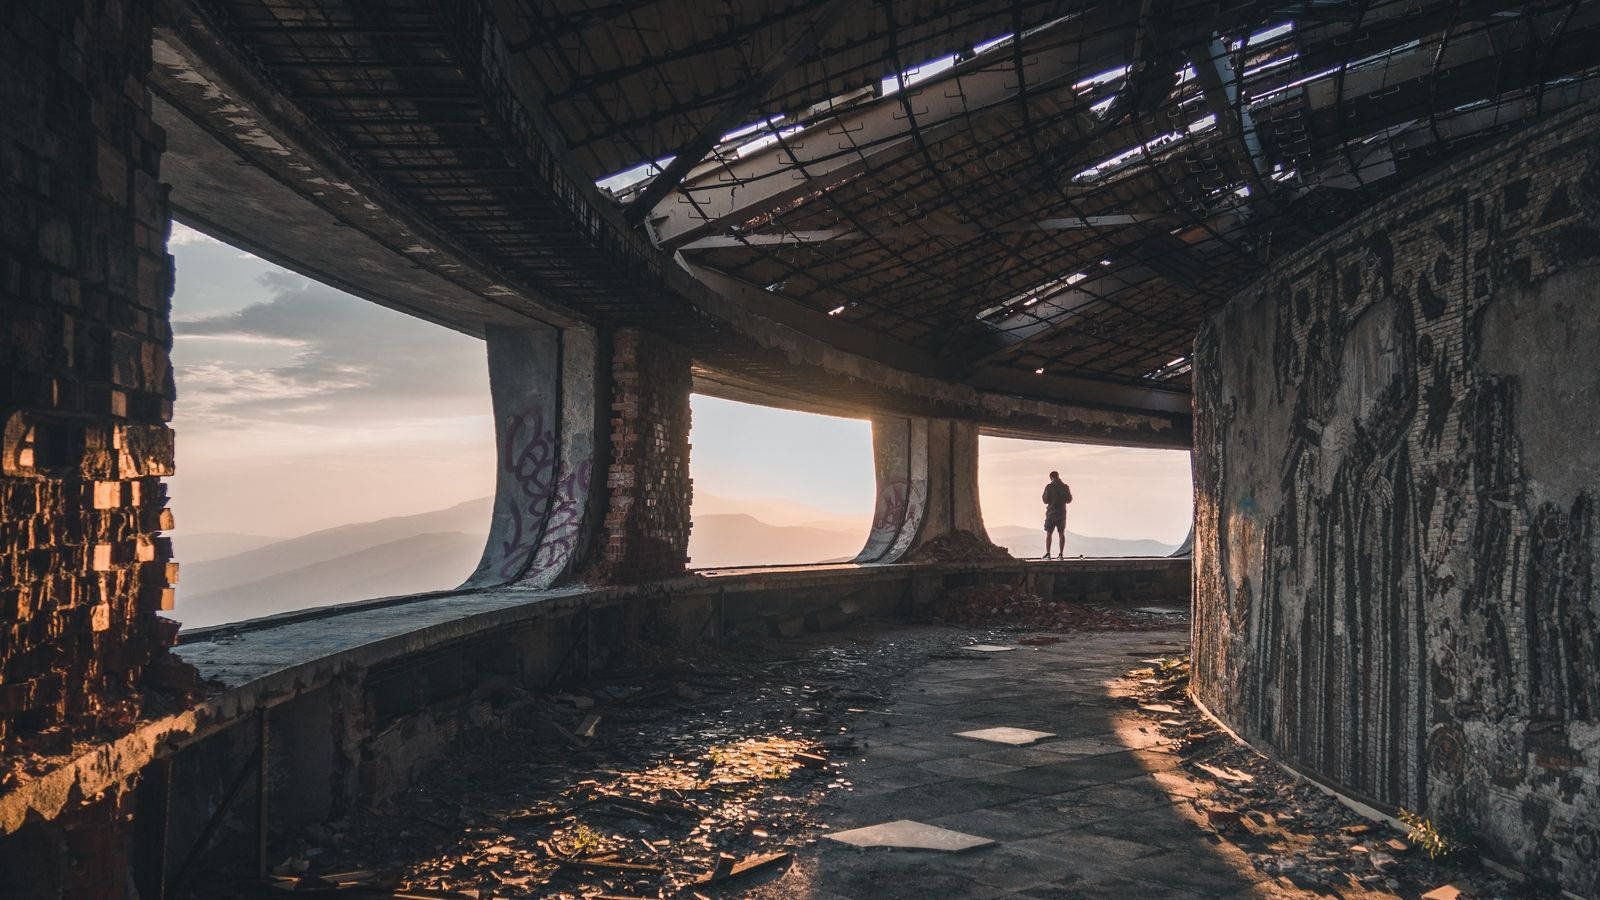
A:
(1117, 492)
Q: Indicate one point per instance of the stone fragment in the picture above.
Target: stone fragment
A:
(1222, 820)
(1006, 735)
(904, 834)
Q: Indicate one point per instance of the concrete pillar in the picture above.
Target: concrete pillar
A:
(548, 390)
(927, 482)
(593, 454)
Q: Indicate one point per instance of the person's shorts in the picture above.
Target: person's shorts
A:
(1055, 520)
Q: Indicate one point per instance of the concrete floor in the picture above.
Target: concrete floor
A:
(1104, 807)
(1096, 811)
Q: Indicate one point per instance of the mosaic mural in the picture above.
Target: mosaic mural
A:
(1397, 462)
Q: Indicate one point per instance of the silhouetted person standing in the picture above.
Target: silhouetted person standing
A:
(1056, 497)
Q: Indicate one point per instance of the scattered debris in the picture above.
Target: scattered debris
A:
(999, 604)
(696, 769)
(957, 546)
(746, 866)
(587, 726)
(1226, 773)
(1291, 830)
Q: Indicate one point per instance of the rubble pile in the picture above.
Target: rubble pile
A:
(1002, 604)
(957, 547)
(1290, 829)
(696, 772)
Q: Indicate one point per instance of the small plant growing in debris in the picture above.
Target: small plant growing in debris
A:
(1440, 840)
(585, 839)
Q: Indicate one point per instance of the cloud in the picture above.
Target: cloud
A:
(316, 355)
(183, 236)
(239, 337)
(222, 393)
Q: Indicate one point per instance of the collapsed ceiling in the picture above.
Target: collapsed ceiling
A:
(1039, 187)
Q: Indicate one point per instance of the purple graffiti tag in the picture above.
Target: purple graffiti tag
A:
(915, 501)
(891, 504)
(565, 522)
(529, 462)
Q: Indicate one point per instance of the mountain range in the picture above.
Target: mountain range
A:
(230, 576)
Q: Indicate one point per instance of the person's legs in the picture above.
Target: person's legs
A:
(1061, 539)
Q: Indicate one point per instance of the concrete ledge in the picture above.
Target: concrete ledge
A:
(265, 663)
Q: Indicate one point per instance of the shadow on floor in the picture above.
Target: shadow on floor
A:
(1097, 810)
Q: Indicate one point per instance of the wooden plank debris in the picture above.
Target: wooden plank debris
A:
(743, 867)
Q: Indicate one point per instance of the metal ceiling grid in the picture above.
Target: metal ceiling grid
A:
(1072, 198)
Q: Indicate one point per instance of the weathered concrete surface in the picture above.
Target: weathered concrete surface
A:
(900, 469)
(926, 472)
(1100, 808)
(1398, 442)
(549, 391)
(525, 386)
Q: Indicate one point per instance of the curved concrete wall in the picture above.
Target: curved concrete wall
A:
(927, 483)
(1396, 458)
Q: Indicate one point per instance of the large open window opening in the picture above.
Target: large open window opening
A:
(329, 449)
(1125, 501)
(777, 487)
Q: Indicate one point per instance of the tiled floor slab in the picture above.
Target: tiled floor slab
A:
(1007, 734)
(907, 834)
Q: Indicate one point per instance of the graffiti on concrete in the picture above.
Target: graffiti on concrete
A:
(565, 524)
(529, 462)
(893, 495)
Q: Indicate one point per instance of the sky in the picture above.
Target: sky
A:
(301, 407)
(1118, 492)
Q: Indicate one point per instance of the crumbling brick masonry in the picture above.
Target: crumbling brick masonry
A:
(646, 530)
(85, 381)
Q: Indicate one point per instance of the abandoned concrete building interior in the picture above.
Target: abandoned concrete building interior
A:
(1345, 252)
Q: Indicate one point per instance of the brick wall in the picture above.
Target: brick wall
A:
(1397, 541)
(85, 382)
(645, 534)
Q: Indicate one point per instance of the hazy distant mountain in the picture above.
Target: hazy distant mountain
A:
(197, 548)
(422, 562)
(402, 554)
(743, 540)
(772, 511)
(207, 577)
(1025, 543)
(437, 550)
